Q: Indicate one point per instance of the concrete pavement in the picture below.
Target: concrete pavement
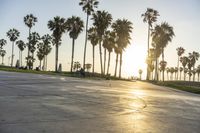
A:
(31, 103)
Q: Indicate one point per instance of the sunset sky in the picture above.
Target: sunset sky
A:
(183, 15)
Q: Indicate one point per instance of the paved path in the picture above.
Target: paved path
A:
(49, 104)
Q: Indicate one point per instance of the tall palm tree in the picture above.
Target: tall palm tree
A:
(92, 36)
(194, 71)
(2, 54)
(40, 55)
(58, 26)
(47, 40)
(161, 36)
(88, 7)
(163, 65)
(74, 27)
(110, 47)
(150, 16)
(21, 45)
(30, 21)
(117, 50)
(102, 21)
(13, 35)
(105, 44)
(33, 41)
(184, 60)
(123, 28)
(3, 42)
(180, 51)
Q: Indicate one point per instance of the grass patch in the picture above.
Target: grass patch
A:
(193, 87)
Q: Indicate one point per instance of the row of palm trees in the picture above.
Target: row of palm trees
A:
(188, 66)
(116, 38)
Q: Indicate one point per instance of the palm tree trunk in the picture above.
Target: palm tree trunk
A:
(100, 57)
(163, 71)
(93, 52)
(19, 59)
(86, 35)
(72, 60)
(12, 54)
(43, 64)
(32, 60)
(46, 62)
(180, 75)
(56, 63)
(147, 77)
(108, 63)
(198, 77)
(120, 65)
(104, 67)
(116, 64)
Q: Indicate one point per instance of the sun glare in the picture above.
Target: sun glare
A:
(134, 59)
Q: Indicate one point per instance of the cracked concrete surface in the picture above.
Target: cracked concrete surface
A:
(31, 103)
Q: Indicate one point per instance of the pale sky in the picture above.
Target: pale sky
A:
(183, 15)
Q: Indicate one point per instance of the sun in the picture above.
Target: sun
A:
(134, 59)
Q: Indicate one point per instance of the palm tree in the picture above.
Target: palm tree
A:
(58, 26)
(102, 21)
(150, 16)
(40, 55)
(105, 44)
(30, 21)
(184, 60)
(172, 72)
(190, 65)
(180, 69)
(176, 73)
(21, 45)
(194, 71)
(140, 73)
(3, 42)
(88, 7)
(167, 70)
(47, 40)
(180, 51)
(2, 54)
(185, 72)
(92, 36)
(13, 34)
(117, 50)
(122, 28)
(110, 47)
(163, 65)
(74, 27)
(33, 41)
(161, 36)
(198, 72)
(193, 57)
